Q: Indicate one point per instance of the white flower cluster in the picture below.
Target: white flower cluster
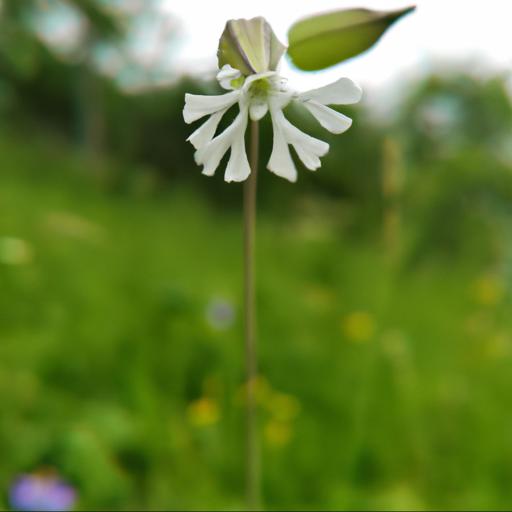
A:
(256, 95)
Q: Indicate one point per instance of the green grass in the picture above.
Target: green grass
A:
(383, 387)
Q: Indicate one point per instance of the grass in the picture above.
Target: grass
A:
(382, 387)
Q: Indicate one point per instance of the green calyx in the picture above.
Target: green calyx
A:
(250, 46)
(260, 88)
(238, 83)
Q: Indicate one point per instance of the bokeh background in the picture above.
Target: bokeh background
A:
(384, 279)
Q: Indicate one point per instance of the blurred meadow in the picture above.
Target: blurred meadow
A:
(384, 279)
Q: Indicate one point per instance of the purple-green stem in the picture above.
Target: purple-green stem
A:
(252, 461)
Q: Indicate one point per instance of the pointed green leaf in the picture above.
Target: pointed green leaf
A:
(250, 46)
(321, 41)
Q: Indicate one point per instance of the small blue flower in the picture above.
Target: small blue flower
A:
(220, 314)
(41, 492)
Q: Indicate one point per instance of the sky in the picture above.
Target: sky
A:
(473, 32)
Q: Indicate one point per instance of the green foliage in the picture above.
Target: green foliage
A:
(102, 22)
(321, 41)
(453, 111)
(378, 374)
(20, 47)
(383, 358)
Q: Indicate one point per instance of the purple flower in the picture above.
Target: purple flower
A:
(41, 492)
(220, 314)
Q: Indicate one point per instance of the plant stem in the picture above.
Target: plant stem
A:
(252, 444)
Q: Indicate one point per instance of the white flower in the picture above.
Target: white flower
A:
(256, 94)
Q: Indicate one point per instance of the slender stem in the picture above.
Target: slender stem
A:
(252, 444)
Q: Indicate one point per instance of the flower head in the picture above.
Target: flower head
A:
(249, 54)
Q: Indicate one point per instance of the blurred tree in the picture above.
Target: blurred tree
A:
(86, 44)
(30, 28)
(458, 206)
(449, 112)
(456, 130)
(22, 30)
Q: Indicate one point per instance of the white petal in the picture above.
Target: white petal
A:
(258, 110)
(257, 76)
(308, 148)
(228, 71)
(238, 168)
(310, 161)
(281, 99)
(342, 92)
(226, 75)
(210, 156)
(281, 162)
(328, 118)
(205, 133)
(197, 106)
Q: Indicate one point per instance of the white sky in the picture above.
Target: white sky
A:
(473, 31)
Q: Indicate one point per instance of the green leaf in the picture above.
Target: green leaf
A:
(250, 46)
(321, 41)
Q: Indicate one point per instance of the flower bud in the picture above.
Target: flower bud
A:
(250, 46)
